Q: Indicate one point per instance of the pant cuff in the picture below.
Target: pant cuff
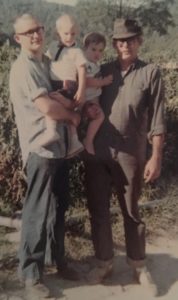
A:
(103, 263)
(136, 263)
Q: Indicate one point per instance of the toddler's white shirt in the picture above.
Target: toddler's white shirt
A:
(93, 71)
(70, 58)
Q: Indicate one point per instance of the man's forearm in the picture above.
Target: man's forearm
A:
(157, 146)
(55, 110)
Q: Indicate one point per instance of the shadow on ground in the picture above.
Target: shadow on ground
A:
(163, 268)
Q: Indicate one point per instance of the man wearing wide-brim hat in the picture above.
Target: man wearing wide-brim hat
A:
(133, 104)
(126, 28)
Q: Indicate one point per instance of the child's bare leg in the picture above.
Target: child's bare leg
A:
(75, 146)
(67, 103)
(93, 128)
(50, 135)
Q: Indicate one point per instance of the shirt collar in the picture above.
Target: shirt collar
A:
(30, 56)
(132, 66)
(60, 44)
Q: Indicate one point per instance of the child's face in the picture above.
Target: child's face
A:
(67, 33)
(94, 52)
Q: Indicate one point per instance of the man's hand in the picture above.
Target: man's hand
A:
(55, 95)
(153, 166)
(107, 80)
(152, 169)
(93, 111)
(63, 100)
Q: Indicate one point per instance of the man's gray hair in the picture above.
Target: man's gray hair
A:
(24, 17)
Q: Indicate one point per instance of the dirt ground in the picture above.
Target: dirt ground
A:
(162, 261)
(161, 220)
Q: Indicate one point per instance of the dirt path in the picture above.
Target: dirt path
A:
(162, 263)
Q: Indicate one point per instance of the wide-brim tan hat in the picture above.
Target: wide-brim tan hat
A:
(126, 28)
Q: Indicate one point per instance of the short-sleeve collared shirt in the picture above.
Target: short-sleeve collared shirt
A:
(134, 108)
(29, 79)
(69, 60)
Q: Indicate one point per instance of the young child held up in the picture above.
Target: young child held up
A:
(67, 76)
(94, 45)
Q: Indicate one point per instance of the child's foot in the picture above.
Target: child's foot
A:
(48, 137)
(75, 147)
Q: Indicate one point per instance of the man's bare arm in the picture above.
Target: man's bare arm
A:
(56, 111)
(153, 166)
(99, 82)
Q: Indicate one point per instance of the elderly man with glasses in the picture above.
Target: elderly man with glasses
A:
(133, 105)
(46, 168)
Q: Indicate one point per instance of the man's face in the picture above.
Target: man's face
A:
(30, 35)
(94, 52)
(127, 48)
(67, 33)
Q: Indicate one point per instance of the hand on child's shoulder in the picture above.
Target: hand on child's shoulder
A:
(108, 79)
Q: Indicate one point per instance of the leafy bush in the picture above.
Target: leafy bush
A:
(11, 179)
(12, 183)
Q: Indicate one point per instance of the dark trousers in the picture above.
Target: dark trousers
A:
(125, 173)
(70, 89)
(43, 214)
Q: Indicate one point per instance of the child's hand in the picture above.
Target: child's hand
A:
(107, 80)
(79, 97)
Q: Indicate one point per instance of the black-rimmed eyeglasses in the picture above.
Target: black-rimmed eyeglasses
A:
(31, 32)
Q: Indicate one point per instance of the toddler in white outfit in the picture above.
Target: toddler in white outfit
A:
(68, 76)
(94, 45)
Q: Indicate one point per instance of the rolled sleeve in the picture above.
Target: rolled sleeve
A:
(35, 85)
(156, 105)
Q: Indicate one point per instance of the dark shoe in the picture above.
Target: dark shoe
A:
(100, 271)
(36, 291)
(69, 273)
(144, 278)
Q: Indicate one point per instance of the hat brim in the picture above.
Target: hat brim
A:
(125, 35)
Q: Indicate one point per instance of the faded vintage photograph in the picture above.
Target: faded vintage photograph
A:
(88, 149)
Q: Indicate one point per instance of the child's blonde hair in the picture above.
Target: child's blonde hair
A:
(67, 20)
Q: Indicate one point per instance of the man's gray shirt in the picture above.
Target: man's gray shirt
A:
(134, 108)
(29, 79)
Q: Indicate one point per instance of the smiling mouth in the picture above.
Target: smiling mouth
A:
(37, 41)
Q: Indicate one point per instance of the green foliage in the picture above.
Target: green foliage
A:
(171, 145)
(92, 15)
(77, 178)
(11, 181)
(151, 15)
